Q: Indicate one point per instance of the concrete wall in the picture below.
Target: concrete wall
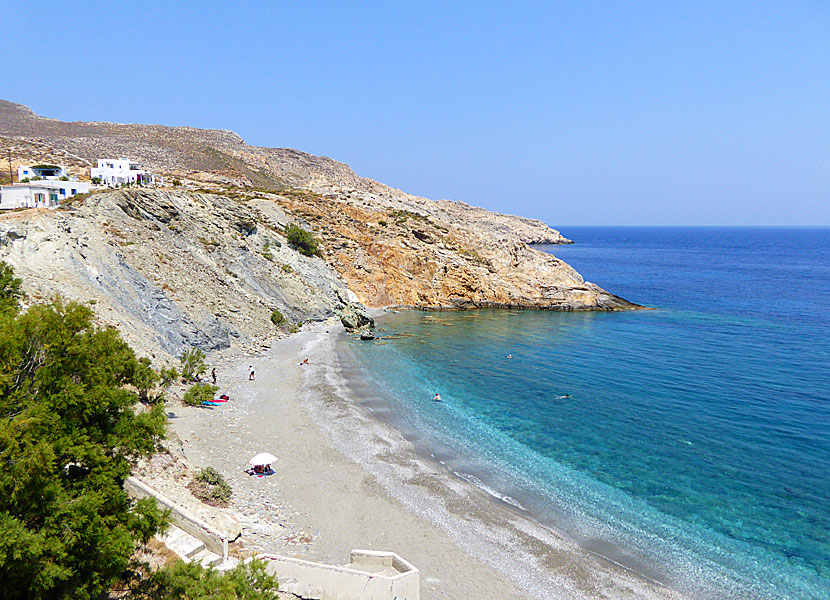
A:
(319, 581)
(215, 541)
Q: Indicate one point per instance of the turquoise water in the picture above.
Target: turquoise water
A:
(695, 444)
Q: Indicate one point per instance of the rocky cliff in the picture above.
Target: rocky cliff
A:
(207, 264)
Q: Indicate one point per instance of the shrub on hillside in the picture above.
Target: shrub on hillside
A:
(277, 318)
(301, 240)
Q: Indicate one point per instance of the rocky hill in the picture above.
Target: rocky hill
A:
(220, 156)
(207, 264)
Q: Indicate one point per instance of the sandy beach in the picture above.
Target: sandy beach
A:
(344, 479)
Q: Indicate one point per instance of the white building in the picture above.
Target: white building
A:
(116, 172)
(39, 194)
(47, 172)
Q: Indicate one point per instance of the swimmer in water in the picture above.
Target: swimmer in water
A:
(509, 356)
(437, 397)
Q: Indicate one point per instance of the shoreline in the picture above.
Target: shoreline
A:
(347, 479)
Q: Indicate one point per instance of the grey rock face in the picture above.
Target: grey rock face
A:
(174, 270)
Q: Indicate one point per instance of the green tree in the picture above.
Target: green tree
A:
(10, 293)
(193, 363)
(145, 380)
(69, 433)
(168, 375)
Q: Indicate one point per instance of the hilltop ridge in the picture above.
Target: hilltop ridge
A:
(216, 156)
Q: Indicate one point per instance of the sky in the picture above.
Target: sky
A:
(578, 113)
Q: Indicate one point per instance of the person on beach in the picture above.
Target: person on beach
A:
(437, 397)
(213, 375)
(251, 375)
(303, 362)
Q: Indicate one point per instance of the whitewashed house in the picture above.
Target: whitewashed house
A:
(39, 194)
(114, 172)
(47, 172)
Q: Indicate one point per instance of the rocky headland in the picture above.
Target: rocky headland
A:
(207, 263)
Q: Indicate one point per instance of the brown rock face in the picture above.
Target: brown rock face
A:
(404, 257)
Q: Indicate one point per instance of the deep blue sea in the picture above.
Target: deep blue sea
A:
(693, 440)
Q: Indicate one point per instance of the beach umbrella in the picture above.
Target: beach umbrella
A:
(263, 458)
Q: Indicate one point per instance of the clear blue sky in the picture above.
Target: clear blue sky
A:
(578, 113)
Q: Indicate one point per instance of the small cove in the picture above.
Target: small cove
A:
(694, 441)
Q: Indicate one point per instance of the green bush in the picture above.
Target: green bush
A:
(191, 581)
(201, 392)
(301, 240)
(210, 487)
(287, 269)
(277, 318)
(10, 293)
(69, 433)
(177, 182)
(168, 375)
(193, 363)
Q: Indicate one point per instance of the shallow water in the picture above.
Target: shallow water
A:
(695, 444)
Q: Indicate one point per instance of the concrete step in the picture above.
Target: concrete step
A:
(191, 549)
(182, 543)
(206, 558)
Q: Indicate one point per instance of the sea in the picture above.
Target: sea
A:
(691, 441)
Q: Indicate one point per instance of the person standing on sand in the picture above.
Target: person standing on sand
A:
(213, 375)
(251, 376)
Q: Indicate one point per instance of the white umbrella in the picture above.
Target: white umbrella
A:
(263, 458)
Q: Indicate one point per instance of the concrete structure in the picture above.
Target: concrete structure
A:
(114, 172)
(39, 194)
(192, 549)
(200, 538)
(48, 172)
(370, 575)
